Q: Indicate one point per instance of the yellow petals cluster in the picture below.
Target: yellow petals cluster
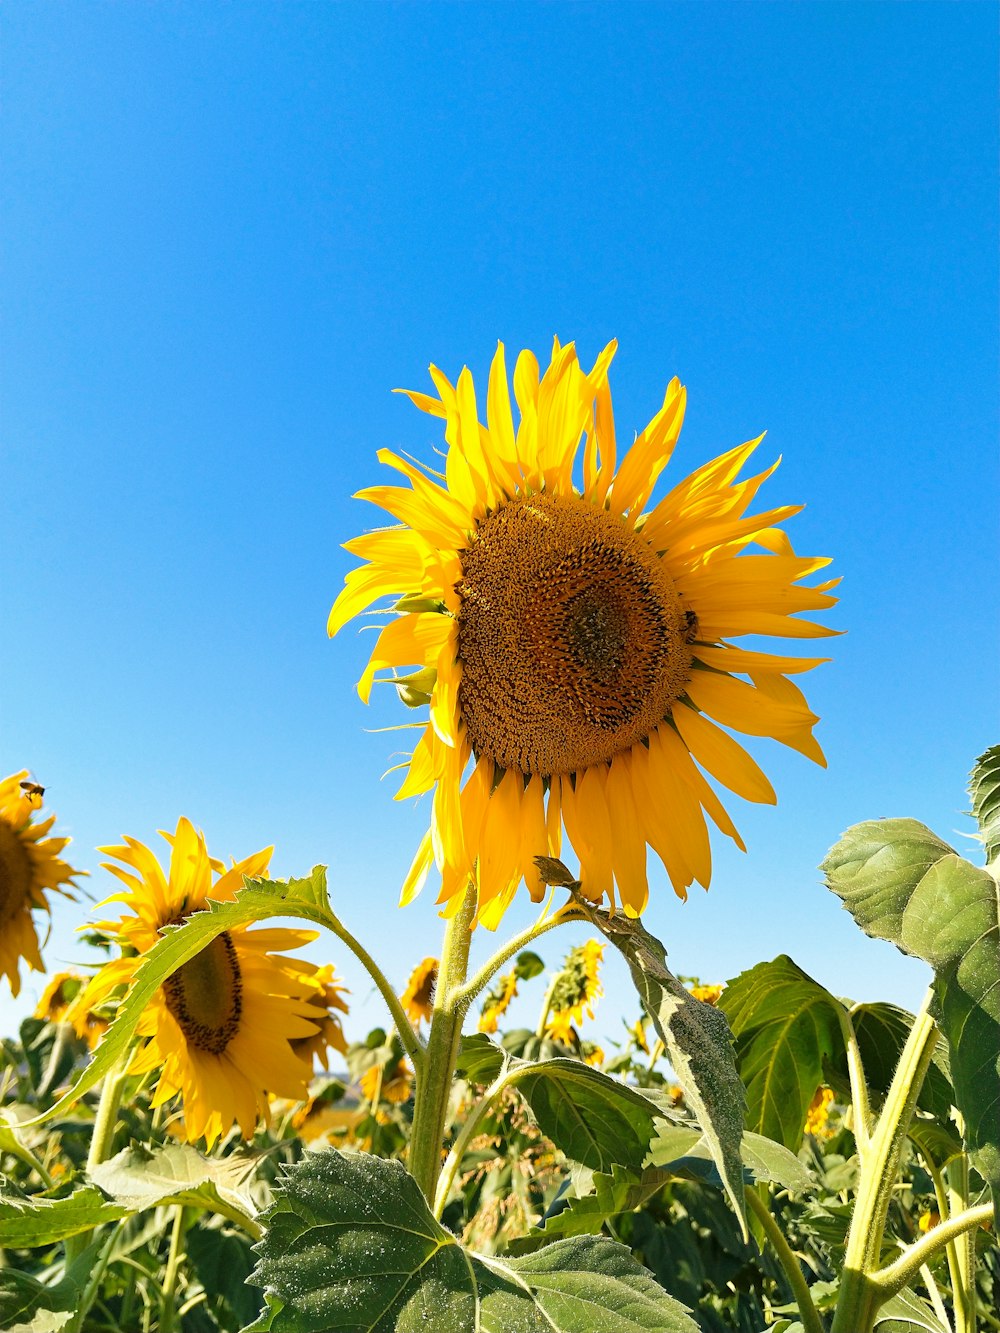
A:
(818, 1114)
(575, 991)
(572, 637)
(30, 864)
(220, 1032)
(418, 998)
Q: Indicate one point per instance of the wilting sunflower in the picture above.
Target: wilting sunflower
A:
(29, 864)
(498, 1001)
(326, 999)
(575, 991)
(573, 644)
(220, 1029)
(418, 998)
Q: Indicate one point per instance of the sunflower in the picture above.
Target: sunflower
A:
(326, 997)
(818, 1114)
(220, 1029)
(573, 643)
(418, 998)
(62, 1002)
(388, 1083)
(29, 864)
(575, 990)
(498, 1001)
(707, 994)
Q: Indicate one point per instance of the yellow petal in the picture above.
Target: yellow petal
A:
(724, 758)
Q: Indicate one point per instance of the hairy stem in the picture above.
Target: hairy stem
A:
(436, 1071)
(789, 1263)
(896, 1275)
(465, 1136)
(481, 979)
(859, 1086)
(411, 1042)
(860, 1293)
(168, 1303)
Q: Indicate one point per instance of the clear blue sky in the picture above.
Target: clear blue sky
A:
(231, 230)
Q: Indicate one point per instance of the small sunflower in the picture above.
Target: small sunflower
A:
(818, 1114)
(326, 997)
(220, 1029)
(637, 1036)
(62, 1002)
(418, 998)
(575, 991)
(387, 1083)
(497, 1002)
(574, 645)
(707, 994)
(29, 864)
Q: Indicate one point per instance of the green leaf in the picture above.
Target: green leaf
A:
(619, 1191)
(50, 1051)
(674, 1147)
(480, 1059)
(908, 1313)
(222, 1260)
(25, 1224)
(138, 1180)
(592, 1117)
(528, 965)
(785, 1025)
(984, 788)
(940, 1142)
(697, 1040)
(256, 901)
(901, 883)
(352, 1245)
(29, 1306)
(881, 1030)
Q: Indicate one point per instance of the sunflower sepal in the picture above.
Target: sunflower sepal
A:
(327, 1200)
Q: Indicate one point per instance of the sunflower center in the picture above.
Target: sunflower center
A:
(15, 873)
(572, 637)
(205, 996)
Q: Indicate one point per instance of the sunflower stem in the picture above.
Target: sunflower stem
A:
(168, 1303)
(808, 1313)
(436, 1071)
(464, 1137)
(481, 979)
(861, 1294)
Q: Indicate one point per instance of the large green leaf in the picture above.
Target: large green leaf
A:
(984, 788)
(29, 1306)
(138, 1180)
(351, 1245)
(697, 1040)
(590, 1116)
(908, 1313)
(785, 1025)
(26, 1223)
(901, 883)
(257, 901)
(681, 1149)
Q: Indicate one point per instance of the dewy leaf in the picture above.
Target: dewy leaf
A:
(257, 901)
(589, 1115)
(25, 1224)
(179, 1174)
(785, 1026)
(984, 788)
(698, 1043)
(901, 883)
(351, 1245)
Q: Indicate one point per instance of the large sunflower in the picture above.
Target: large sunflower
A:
(573, 644)
(221, 1029)
(29, 864)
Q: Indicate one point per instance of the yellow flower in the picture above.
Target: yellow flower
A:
(637, 1033)
(708, 994)
(418, 998)
(575, 990)
(592, 1055)
(326, 998)
(818, 1114)
(928, 1219)
(572, 644)
(497, 1002)
(62, 1002)
(220, 1029)
(396, 1082)
(29, 864)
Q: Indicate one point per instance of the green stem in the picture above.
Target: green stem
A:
(964, 1295)
(543, 1016)
(789, 1263)
(860, 1108)
(860, 1294)
(412, 1044)
(168, 1303)
(944, 1212)
(102, 1139)
(435, 1073)
(17, 1149)
(481, 979)
(895, 1276)
(465, 1136)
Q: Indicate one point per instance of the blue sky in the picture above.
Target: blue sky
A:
(231, 230)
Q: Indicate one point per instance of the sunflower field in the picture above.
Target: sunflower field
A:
(195, 1137)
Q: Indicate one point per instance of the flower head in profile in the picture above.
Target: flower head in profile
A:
(220, 1030)
(572, 636)
(708, 994)
(326, 998)
(30, 864)
(388, 1083)
(418, 998)
(818, 1114)
(575, 991)
(62, 1002)
(498, 1000)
